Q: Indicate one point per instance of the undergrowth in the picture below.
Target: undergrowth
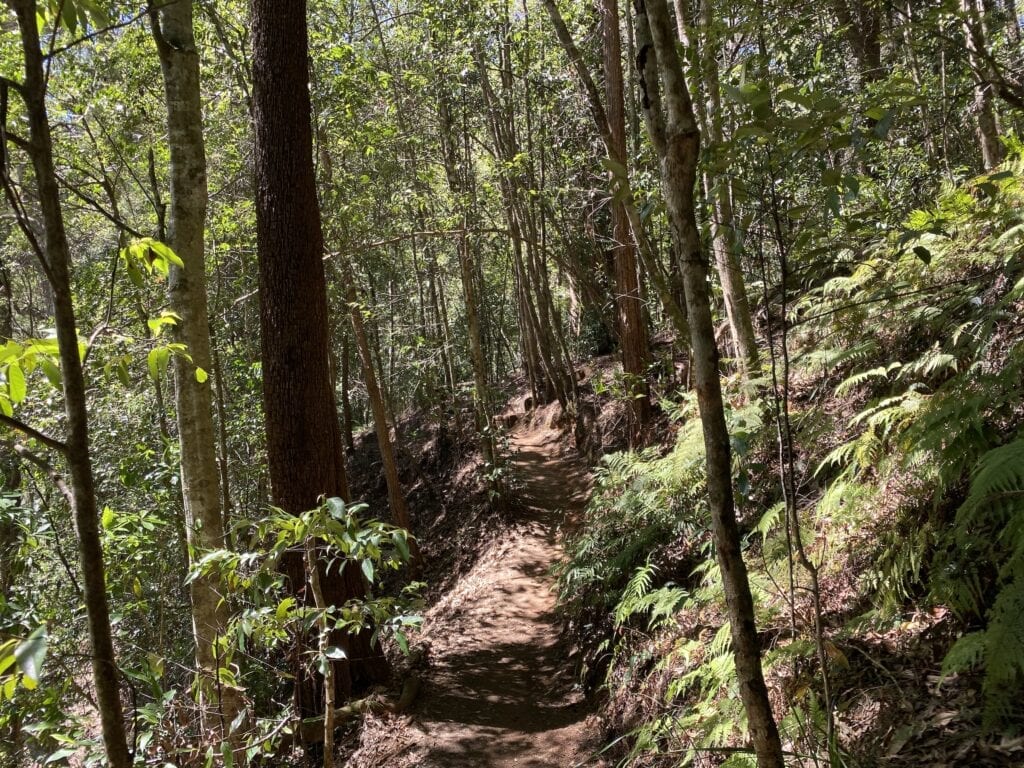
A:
(930, 464)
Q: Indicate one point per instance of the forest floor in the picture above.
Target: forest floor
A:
(500, 689)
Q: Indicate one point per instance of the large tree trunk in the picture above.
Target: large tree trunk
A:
(679, 154)
(220, 704)
(56, 263)
(631, 326)
(304, 447)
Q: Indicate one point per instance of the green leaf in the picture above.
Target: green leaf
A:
(201, 375)
(51, 371)
(335, 653)
(107, 519)
(157, 362)
(5, 405)
(61, 754)
(30, 654)
(367, 568)
(923, 254)
(7, 655)
(69, 17)
(165, 319)
(16, 383)
(164, 252)
(336, 508)
(283, 607)
(401, 544)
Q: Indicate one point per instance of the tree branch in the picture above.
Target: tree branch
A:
(35, 434)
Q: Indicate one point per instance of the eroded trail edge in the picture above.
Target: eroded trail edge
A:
(500, 691)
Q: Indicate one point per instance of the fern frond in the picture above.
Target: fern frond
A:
(997, 486)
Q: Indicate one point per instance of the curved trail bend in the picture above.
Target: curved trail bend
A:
(500, 692)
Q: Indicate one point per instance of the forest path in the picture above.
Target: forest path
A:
(500, 692)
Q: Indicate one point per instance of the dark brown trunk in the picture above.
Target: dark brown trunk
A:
(632, 328)
(303, 438)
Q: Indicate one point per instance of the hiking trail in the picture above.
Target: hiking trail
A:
(501, 691)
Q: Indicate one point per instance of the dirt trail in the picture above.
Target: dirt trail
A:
(500, 692)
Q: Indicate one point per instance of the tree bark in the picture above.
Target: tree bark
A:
(632, 328)
(678, 174)
(987, 127)
(56, 263)
(220, 704)
(303, 437)
(656, 274)
(396, 499)
(726, 239)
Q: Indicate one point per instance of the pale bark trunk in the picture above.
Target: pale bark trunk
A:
(726, 239)
(313, 574)
(56, 259)
(987, 126)
(678, 173)
(396, 498)
(460, 184)
(220, 704)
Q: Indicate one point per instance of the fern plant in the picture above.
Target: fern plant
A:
(992, 520)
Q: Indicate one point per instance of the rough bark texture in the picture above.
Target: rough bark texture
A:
(632, 328)
(984, 110)
(56, 263)
(303, 438)
(200, 481)
(679, 172)
(862, 20)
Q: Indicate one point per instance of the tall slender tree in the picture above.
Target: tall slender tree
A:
(632, 325)
(54, 255)
(677, 139)
(172, 30)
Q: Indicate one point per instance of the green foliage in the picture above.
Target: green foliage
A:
(990, 528)
(344, 539)
(642, 503)
(948, 288)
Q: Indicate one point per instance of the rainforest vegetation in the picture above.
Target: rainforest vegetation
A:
(511, 382)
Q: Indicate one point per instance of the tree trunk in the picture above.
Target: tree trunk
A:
(56, 263)
(862, 21)
(726, 240)
(220, 704)
(460, 184)
(655, 272)
(396, 499)
(632, 328)
(303, 437)
(678, 175)
(983, 108)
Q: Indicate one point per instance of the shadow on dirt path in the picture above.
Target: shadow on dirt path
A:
(501, 692)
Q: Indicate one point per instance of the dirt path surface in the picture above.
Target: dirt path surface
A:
(500, 691)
